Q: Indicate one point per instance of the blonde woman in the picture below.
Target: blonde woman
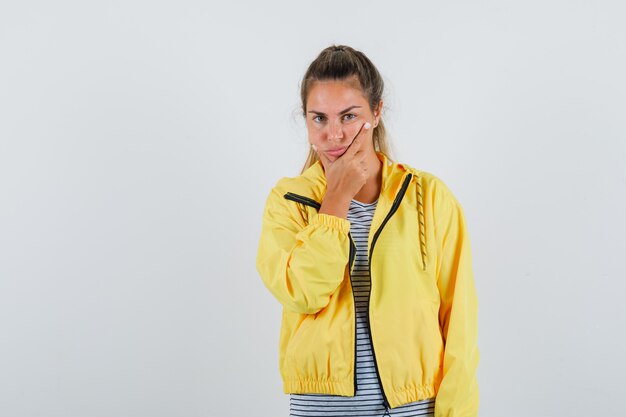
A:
(371, 262)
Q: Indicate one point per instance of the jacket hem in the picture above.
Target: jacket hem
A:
(396, 398)
(408, 395)
(314, 386)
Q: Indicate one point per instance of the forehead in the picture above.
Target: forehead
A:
(333, 94)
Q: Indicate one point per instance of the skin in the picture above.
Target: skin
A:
(338, 116)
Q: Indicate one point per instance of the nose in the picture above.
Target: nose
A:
(335, 131)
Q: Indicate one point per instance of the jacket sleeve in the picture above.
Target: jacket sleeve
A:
(458, 394)
(301, 263)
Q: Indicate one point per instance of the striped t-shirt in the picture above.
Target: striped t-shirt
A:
(368, 400)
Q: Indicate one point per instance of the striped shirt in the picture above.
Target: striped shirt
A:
(368, 400)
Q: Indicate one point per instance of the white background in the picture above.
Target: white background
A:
(139, 140)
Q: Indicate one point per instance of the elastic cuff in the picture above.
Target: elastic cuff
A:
(338, 223)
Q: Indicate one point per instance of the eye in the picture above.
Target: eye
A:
(317, 118)
(351, 116)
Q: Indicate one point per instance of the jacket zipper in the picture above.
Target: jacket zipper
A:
(310, 202)
(394, 208)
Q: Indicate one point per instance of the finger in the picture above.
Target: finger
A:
(359, 146)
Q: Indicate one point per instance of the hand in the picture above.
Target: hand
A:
(347, 174)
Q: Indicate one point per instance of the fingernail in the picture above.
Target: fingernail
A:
(367, 125)
(314, 147)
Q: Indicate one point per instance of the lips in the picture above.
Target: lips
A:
(336, 152)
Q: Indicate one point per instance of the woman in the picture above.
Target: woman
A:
(371, 262)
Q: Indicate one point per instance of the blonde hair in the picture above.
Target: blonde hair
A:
(341, 62)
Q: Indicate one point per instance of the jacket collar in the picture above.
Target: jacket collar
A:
(393, 175)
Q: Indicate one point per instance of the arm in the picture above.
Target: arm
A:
(458, 394)
(301, 264)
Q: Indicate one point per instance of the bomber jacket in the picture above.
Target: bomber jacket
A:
(423, 303)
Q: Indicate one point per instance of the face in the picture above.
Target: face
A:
(336, 110)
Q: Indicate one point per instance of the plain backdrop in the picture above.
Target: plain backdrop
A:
(139, 140)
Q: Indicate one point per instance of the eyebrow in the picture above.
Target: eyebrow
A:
(341, 112)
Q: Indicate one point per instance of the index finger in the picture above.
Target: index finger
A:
(355, 136)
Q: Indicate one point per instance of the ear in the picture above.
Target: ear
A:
(377, 113)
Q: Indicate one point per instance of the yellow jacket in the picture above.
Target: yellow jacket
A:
(423, 304)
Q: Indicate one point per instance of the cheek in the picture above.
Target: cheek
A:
(315, 141)
(315, 133)
(354, 128)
